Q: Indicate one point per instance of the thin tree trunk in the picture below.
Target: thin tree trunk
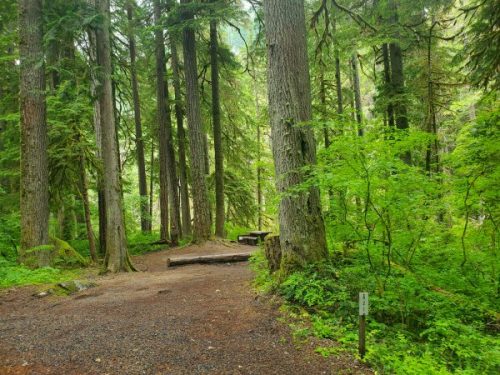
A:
(117, 258)
(168, 174)
(432, 147)
(34, 140)
(151, 175)
(388, 84)
(206, 157)
(86, 208)
(302, 232)
(357, 93)
(322, 100)
(196, 137)
(338, 82)
(219, 157)
(259, 158)
(181, 139)
(139, 142)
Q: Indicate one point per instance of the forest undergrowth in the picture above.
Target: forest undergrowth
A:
(423, 246)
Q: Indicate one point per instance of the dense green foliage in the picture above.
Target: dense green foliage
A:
(12, 274)
(424, 247)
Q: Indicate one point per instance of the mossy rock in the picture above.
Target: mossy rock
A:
(58, 253)
(64, 255)
(66, 288)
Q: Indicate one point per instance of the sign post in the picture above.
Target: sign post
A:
(363, 312)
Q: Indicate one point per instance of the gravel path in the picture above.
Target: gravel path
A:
(199, 319)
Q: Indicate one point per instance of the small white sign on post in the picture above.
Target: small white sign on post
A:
(363, 303)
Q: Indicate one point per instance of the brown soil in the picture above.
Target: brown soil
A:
(198, 319)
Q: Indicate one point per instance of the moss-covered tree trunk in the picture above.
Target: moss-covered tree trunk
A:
(34, 140)
(86, 209)
(302, 233)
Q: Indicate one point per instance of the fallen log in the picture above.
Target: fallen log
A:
(207, 259)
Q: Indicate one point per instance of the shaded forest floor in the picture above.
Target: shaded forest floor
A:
(198, 319)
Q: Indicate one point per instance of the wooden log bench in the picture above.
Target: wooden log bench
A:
(248, 240)
(252, 238)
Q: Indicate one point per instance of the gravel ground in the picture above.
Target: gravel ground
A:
(198, 319)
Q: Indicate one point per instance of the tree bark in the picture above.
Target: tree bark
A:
(151, 175)
(117, 258)
(338, 81)
(34, 139)
(397, 81)
(139, 142)
(322, 100)
(432, 151)
(181, 140)
(94, 84)
(388, 84)
(168, 172)
(259, 178)
(86, 208)
(357, 93)
(196, 137)
(302, 233)
(259, 157)
(219, 157)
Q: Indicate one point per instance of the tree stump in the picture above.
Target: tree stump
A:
(272, 250)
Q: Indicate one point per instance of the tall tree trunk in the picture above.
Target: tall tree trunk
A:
(117, 258)
(94, 84)
(34, 140)
(322, 100)
(302, 232)
(397, 81)
(338, 80)
(399, 103)
(206, 157)
(432, 147)
(388, 84)
(201, 203)
(357, 92)
(397, 73)
(168, 172)
(259, 157)
(151, 175)
(139, 142)
(338, 84)
(181, 139)
(219, 157)
(86, 208)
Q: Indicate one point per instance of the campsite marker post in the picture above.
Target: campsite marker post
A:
(363, 312)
